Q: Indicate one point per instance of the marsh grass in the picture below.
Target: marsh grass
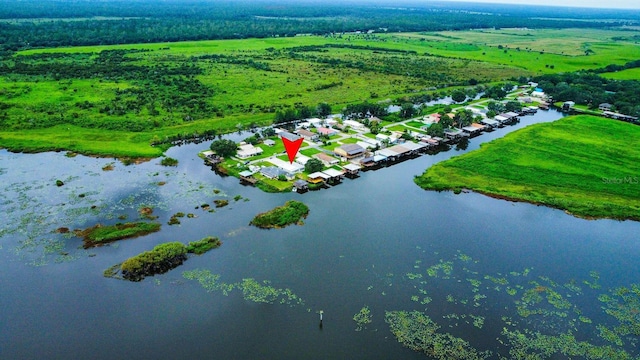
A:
(585, 165)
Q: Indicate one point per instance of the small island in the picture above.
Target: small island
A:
(292, 212)
(100, 234)
(160, 259)
(582, 164)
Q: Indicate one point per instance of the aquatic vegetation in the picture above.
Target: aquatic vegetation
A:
(169, 161)
(542, 321)
(59, 183)
(100, 234)
(252, 290)
(291, 212)
(221, 203)
(418, 332)
(362, 318)
(160, 259)
(202, 246)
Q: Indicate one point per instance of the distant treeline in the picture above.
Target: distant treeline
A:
(593, 90)
(52, 23)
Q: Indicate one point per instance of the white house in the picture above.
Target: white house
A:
(248, 150)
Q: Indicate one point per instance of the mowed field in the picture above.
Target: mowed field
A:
(151, 91)
(583, 164)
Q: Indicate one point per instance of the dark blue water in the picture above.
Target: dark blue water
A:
(357, 245)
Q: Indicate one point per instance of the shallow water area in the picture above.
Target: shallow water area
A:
(363, 245)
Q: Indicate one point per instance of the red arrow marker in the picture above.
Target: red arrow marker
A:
(292, 147)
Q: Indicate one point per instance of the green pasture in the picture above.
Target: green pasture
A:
(583, 164)
(628, 74)
(257, 77)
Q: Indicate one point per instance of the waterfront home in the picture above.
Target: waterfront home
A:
(568, 105)
(373, 161)
(604, 107)
(326, 159)
(512, 115)
(453, 133)
(300, 185)
(318, 177)
(349, 151)
(247, 177)
(352, 169)
(472, 131)
(489, 122)
(308, 135)
(366, 144)
(292, 168)
(618, 116)
(335, 176)
(248, 150)
(273, 172)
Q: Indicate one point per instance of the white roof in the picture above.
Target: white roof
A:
(302, 159)
(471, 128)
(352, 167)
(489, 121)
(500, 118)
(318, 174)
(352, 123)
(285, 165)
(512, 114)
(207, 153)
(411, 145)
(333, 172)
(386, 153)
(314, 120)
(365, 145)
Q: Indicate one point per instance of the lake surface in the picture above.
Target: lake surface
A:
(361, 245)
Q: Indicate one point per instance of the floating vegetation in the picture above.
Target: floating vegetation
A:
(221, 203)
(537, 316)
(169, 161)
(100, 234)
(108, 167)
(237, 197)
(59, 183)
(292, 212)
(418, 332)
(362, 318)
(252, 290)
(160, 259)
(202, 246)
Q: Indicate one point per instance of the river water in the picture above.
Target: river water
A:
(359, 246)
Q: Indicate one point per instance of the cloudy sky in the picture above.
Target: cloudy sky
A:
(625, 4)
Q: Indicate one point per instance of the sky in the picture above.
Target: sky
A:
(617, 4)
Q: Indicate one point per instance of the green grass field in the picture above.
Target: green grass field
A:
(242, 82)
(583, 164)
(628, 74)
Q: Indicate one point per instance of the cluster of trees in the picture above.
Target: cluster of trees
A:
(313, 165)
(151, 21)
(290, 213)
(224, 147)
(300, 112)
(592, 90)
(364, 110)
(160, 259)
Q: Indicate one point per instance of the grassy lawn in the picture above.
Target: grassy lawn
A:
(416, 124)
(583, 164)
(310, 152)
(349, 141)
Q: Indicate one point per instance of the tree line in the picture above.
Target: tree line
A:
(46, 23)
